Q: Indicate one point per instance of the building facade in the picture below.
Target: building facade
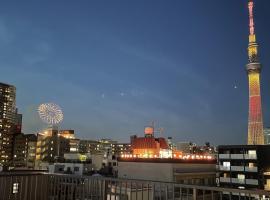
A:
(119, 149)
(7, 121)
(24, 151)
(52, 144)
(197, 172)
(244, 166)
(89, 146)
(266, 132)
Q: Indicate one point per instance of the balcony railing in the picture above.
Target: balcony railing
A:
(237, 156)
(67, 187)
(251, 169)
(237, 168)
(224, 156)
(238, 181)
(250, 156)
(224, 180)
(224, 168)
(252, 182)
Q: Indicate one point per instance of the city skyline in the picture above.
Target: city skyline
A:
(114, 75)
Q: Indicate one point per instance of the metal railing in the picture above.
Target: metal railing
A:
(70, 187)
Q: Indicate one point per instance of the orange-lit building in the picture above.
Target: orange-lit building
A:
(151, 147)
(52, 144)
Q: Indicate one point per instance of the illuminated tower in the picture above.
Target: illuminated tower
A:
(255, 121)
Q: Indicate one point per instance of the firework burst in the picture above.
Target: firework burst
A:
(50, 113)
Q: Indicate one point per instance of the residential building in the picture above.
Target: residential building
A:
(267, 135)
(244, 166)
(119, 149)
(7, 121)
(185, 147)
(188, 171)
(74, 163)
(52, 144)
(89, 146)
(24, 149)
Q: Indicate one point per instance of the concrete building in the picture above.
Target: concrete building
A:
(244, 166)
(89, 146)
(74, 163)
(52, 144)
(119, 149)
(24, 151)
(200, 172)
(266, 132)
(7, 121)
(184, 147)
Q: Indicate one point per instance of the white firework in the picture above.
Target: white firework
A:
(50, 113)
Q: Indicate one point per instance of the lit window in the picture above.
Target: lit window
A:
(15, 188)
(241, 176)
(226, 164)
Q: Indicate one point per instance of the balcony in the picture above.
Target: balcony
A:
(237, 156)
(238, 181)
(224, 156)
(251, 169)
(224, 180)
(250, 156)
(224, 168)
(252, 182)
(237, 168)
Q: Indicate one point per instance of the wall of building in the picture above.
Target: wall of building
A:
(168, 172)
(70, 168)
(146, 171)
(97, 160)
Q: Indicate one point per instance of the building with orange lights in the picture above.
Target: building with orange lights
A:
(149, 146)
(255, 120)
(52, 144)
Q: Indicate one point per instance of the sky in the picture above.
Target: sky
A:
(116, 66)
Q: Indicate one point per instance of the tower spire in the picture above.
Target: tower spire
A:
(251, 19)
(255, 120)
(252, 47)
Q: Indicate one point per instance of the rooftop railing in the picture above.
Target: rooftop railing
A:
(20, 186)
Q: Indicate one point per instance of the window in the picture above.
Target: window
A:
(226, 164)
(76, 169)
(15, 188)
(252, 152)
(241, 176)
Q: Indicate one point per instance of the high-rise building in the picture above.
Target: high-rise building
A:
(255, 120)
(18, 122)
(7, 121)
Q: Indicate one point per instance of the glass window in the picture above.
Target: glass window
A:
(15, 188)
(241, 176)
(226, 164)
(252, 152)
